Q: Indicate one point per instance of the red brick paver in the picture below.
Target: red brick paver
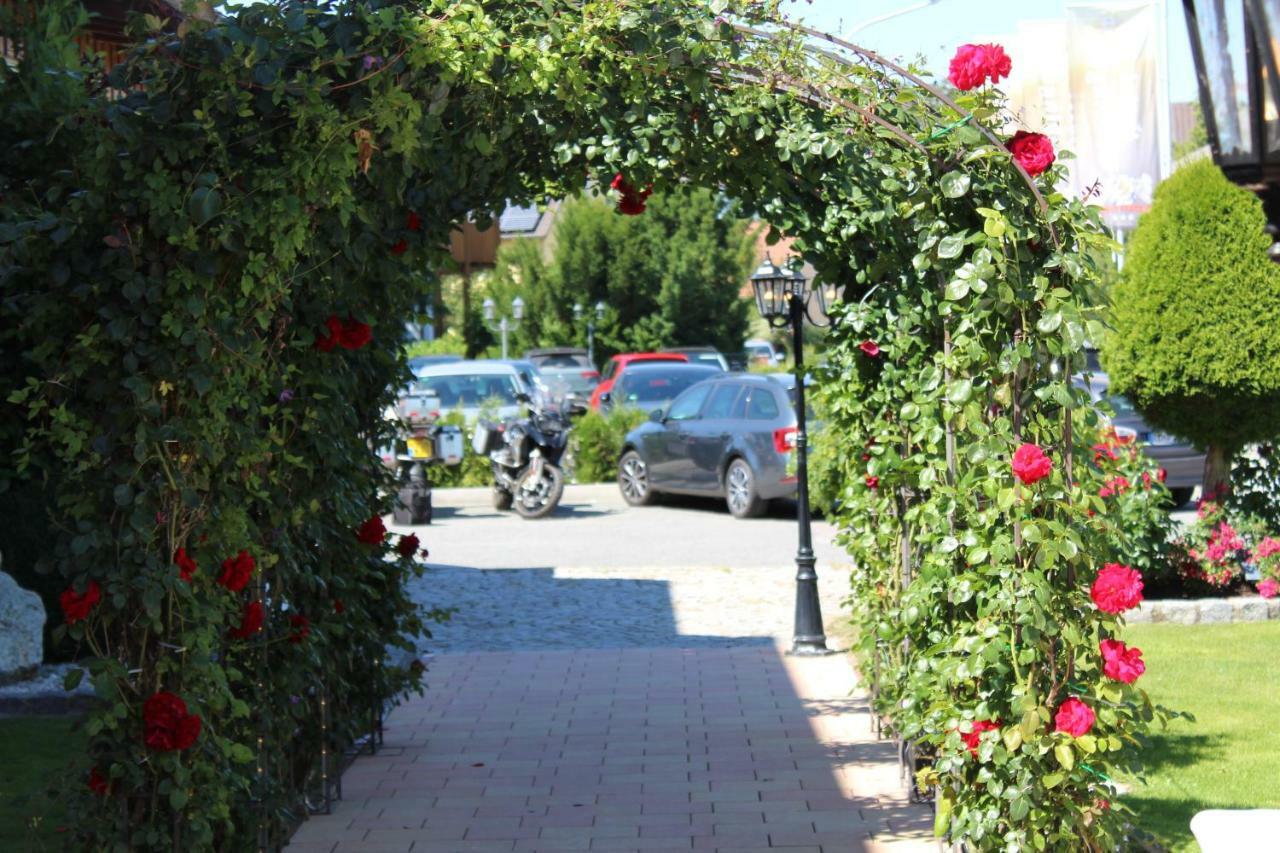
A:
(733, 750)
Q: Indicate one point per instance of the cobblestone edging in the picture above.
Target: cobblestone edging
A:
(1205, 611)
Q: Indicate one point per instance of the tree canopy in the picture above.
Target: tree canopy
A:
(670, 277)
(1195, 314)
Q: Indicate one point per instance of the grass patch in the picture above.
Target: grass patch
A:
(32, 751)
(1224, 675)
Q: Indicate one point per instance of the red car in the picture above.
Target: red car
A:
(619, 363)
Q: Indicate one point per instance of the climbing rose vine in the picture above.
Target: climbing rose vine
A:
(207, 257)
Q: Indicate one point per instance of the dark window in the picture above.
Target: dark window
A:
(610, 369)
(687, 405)
(763, 407)
(722, 401)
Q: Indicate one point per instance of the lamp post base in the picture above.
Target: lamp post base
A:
(810, 647)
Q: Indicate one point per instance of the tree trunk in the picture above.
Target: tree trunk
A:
(1217, 472)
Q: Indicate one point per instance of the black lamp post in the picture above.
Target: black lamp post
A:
(785, 298)
(1239, 81)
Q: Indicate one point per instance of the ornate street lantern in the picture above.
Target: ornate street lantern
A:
(773, 286)
(1235, 53)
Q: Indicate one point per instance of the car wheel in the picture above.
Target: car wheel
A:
(633, 480)
(1180, 497)
(740, 490)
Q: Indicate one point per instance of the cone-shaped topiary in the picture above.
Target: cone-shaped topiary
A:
(1195, 317)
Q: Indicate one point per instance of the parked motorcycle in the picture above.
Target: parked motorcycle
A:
(422, 442)
(527, 458)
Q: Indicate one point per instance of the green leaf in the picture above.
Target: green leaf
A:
(1066, 755)
(204, 204)
(178, 798)
(123, 494)
(957, 289)
(951, 246)
(1052, 780)
(1012, 738)
(1049, 323)
(954, 184)
(72, 679)
(960, 391)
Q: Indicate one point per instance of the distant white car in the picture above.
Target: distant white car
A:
(472, 386)
(763, 352)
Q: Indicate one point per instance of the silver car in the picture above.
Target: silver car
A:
(731, 437)
(475, 386)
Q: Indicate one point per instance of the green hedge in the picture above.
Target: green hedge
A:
(596, 443)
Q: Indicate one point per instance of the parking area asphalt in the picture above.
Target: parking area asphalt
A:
(601, 574)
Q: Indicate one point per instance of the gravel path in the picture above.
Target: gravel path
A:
(603, 575)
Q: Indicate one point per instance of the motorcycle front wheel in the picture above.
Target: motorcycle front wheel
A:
(539, 499)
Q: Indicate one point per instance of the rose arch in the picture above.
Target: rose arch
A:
(205, 259)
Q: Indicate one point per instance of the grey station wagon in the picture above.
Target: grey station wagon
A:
(730, 436)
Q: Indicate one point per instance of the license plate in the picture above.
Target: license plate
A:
(420, 448)
(1162, 439)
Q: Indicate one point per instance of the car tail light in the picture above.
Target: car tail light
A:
(590, 374)
(784, 440)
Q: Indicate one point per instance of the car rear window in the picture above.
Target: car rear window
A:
(545, 361)
(470, 389)
(762, 407)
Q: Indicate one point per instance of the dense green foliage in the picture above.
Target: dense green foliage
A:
(1195, 314)
(171, 246)
(670, 277)
(596, 442)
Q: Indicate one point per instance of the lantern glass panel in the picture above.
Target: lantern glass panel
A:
(1221, 34)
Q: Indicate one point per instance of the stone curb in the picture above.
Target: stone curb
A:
(1205, 611)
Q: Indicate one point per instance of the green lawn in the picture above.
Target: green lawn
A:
(32, 750)
(1229, 757)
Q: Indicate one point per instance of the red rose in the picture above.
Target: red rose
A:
(1073, 717)
(408, 545)
(338, 606)
(973, 64)
(236, 571)
(77, 606)
(98, 783)
(873, 482)
(355, 334)
(1161, 474)
(412, 221)
(1032, 151)
(301, 628)
(1120, 662)
(1030, 465)
(166, 723)
(326, 342)
(186, 565)
(250, 621)
(869, 348)
(630, 200)
(1117, 588)
(372, 532)
(974, 737)
(400, 247)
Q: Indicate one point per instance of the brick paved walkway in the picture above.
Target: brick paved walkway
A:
(731, 749)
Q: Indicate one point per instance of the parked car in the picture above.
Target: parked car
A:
(418, 362)
(729, 436)
(617, 365)
(567, 371)
(709, 356)
(1182, 462)
(763, 352)
(652, 385)
(532, 378)
(473, 385)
